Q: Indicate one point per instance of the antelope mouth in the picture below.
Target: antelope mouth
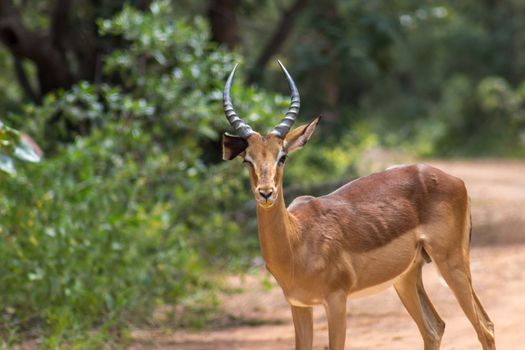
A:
(266, 203)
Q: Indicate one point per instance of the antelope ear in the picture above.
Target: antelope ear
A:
(232, 146)
(298, 137)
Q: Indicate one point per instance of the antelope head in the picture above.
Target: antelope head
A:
(265, 155)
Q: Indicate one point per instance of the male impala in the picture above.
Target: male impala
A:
(369, 234)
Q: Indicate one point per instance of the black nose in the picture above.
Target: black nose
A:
(266, 195)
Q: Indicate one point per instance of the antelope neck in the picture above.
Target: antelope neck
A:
(277, 233)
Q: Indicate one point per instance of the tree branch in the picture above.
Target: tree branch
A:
(24, 81)
(277, 40)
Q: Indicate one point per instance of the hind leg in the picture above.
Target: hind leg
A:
(454, 267)
(412, 293)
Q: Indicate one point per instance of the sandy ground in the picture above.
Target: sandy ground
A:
(261, 318)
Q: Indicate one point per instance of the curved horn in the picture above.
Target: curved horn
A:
(240, 126)
(284, 126)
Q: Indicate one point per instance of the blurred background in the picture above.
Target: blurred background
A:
(132, 221)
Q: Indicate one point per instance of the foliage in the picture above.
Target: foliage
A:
(129, 210)
(99, 233)
(395, 65)
(434, 101)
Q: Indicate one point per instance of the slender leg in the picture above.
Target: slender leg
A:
(304, 328)
(456, 272)
(336, 314)
(484, 314)
(412, 293)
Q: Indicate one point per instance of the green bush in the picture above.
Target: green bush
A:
(96, 235)
(132, 207)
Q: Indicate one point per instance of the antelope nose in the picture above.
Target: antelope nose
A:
(266, 193)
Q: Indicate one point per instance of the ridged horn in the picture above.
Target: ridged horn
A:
(284, 126)
(240, 126)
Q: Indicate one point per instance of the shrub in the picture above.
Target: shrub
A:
(130, 207)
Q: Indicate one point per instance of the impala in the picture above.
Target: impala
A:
(371, 233)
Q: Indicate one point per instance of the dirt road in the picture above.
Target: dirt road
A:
(263, 321)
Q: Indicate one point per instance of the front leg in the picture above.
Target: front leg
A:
(304, 327)
(335, 306)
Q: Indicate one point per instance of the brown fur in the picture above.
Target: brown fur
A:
(373, 232)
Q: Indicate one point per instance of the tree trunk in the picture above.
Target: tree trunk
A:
(223, 21)
(39, 47)
(281, 33)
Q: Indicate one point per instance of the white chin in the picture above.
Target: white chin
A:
(266, 204)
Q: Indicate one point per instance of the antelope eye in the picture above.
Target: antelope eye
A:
(282, 160)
